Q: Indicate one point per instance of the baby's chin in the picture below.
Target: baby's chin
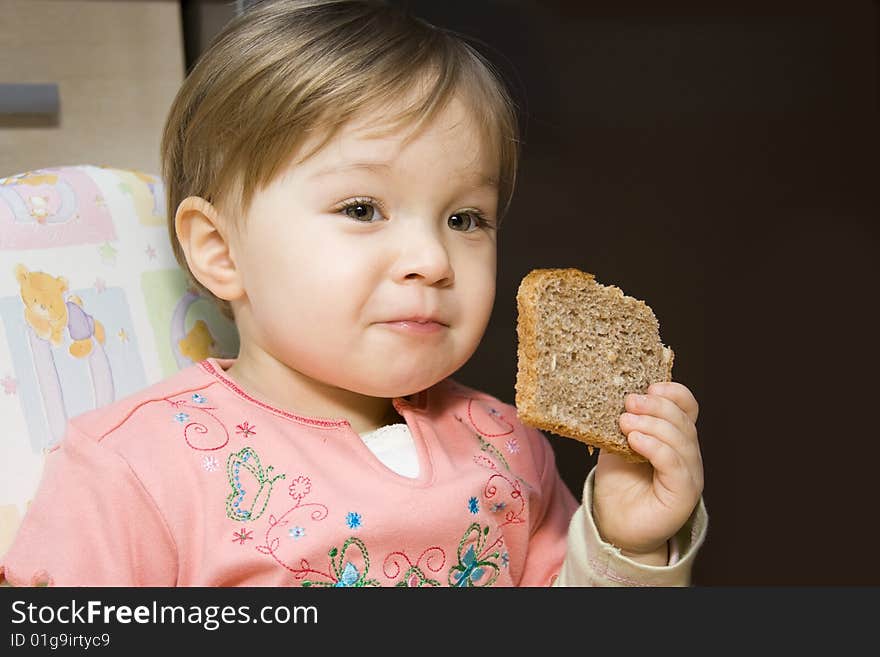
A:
(392, 391)
(388, 384)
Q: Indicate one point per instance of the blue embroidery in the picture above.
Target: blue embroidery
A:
(349, 576)
(473, 505)
(181, 417)
(471, 572)
(353, 520)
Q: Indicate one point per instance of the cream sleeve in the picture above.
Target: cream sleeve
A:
(589, 561)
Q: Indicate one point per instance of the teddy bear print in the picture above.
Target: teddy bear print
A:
(48, 313)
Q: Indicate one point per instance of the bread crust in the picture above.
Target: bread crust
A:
(528, 409)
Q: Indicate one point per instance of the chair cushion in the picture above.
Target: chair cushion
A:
(93, 307)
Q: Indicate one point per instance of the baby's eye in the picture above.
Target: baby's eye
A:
(361, 211)
(470, 220)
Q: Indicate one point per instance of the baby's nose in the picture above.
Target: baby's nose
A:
(425, 259)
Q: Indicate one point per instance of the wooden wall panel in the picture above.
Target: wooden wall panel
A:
(118, 65)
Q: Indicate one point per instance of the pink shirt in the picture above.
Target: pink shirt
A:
(192, 482)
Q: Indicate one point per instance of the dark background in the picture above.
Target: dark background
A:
(719, 163)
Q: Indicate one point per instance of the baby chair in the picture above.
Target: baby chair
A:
(93, 307)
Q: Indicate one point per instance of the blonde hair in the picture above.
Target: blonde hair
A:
(288, 69)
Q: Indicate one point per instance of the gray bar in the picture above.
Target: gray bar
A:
(29, 98)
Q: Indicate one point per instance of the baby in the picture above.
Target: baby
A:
(337, 172)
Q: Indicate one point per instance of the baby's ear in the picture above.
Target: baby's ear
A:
(200, 229)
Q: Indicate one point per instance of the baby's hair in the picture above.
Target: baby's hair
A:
(286, 70)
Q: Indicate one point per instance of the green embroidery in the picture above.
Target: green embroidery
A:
(473, 565)
(348, 574)
(486, 446)
(414, 577)
(259, 484)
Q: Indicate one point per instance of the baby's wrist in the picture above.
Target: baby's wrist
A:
(657, 557)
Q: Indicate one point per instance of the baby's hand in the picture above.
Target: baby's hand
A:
(640, 506)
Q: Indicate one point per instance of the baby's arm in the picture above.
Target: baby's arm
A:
(566, 549)
(640, 507)
(590, 561)
(91, 523)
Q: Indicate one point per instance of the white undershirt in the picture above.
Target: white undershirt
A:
(393, 445)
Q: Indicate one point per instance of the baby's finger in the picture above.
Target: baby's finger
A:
(682, 442)
(675, 478)
(662, 457)
(679, 394)
(663, 408)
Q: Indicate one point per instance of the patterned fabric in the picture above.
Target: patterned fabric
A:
(93, 307)
(193, 482)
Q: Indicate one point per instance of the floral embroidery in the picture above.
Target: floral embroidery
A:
(300, 487)
(495, 415)
(488, 447)
(485, 462)
(414, 575)
(245, 429)
(196, 433)
(475, 567)
(349, 574)
(353, 520)
(246, 464)
(415, 578)
(298, 490)
(511, 516)
(242, 535)
(210, 463)
(479, 559)
(503, 492)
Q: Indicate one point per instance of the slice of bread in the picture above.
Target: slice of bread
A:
(583, 347)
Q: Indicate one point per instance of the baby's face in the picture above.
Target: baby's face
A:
(324, 284)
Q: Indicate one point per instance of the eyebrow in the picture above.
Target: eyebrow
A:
(479, 179)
